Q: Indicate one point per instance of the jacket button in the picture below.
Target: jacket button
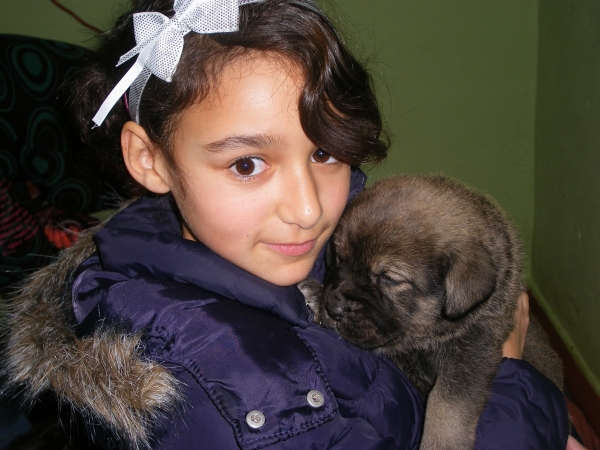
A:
(255, 419)
(315, 399)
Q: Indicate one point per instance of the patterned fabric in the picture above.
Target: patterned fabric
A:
(48, 180)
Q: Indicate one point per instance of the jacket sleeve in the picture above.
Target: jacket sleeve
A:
(525, 411)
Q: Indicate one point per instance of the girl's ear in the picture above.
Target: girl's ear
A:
(143, 160)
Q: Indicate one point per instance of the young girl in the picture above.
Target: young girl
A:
(177, 325)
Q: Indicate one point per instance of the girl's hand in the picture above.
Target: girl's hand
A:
(572, 444)
(513, 347)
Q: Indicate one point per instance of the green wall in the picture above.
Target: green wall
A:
(566, 238)
(41, 18)
(457, 81)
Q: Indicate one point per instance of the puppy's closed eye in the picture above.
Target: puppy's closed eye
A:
(392, 280)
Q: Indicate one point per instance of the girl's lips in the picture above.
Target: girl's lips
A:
(293, 249)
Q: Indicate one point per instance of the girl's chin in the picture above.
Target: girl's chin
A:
(282, 277)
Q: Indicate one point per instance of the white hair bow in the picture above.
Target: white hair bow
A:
(160, 43)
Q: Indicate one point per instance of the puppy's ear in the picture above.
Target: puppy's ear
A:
(470, 280)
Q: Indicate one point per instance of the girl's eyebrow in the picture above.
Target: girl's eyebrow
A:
(243, 141)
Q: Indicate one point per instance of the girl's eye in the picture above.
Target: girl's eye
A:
(322, 157)
(249, 166)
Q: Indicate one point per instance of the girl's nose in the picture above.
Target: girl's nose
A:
(299, 201)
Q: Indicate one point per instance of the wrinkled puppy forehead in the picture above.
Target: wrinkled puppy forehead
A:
(372, 241)
(397, 264)
(409, 223)
(391, 214)
(416, 210)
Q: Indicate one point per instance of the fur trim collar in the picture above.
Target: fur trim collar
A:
(102, 376)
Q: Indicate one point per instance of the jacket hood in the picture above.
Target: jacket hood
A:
(148, 230)
(102, 376)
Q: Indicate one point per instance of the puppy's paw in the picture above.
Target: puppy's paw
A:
(313, 295)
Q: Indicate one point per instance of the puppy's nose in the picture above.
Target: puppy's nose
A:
(335, 311)
(336, 305)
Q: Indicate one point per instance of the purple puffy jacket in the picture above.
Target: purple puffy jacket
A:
(257, 373)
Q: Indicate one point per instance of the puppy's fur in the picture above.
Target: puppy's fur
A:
(428, 272)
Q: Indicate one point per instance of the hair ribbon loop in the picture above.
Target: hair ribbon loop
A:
(159, 44)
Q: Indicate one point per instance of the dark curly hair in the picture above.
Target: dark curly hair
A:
(337, 106)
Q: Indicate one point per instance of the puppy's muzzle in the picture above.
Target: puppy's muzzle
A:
(335, 307)
(338, 304)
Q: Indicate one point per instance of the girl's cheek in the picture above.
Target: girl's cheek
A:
(339, 191)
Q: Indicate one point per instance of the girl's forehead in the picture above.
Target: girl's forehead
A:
(254, 72)
(254, 96)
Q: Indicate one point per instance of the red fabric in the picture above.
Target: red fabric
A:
(17, 224)
(586, 432)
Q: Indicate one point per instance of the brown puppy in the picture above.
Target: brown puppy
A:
(428, 272)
